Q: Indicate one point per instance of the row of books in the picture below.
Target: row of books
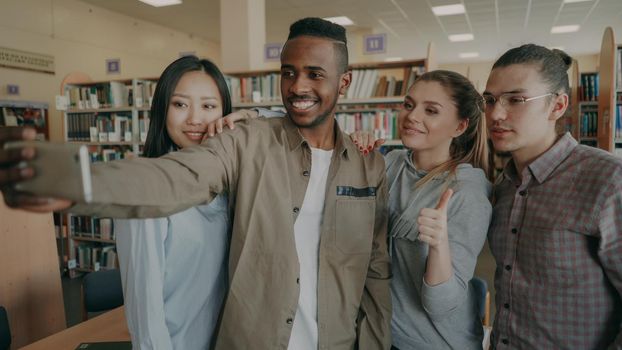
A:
(589, 124)
(618, 129)
(619, 68)
(96, 257)
(99, 127)
(367, 83)
(143, 96)
(112, 94)
(35, 117)
(265, 88)
(382, 124)
(109, 153)
(588, 90)
(92, 227)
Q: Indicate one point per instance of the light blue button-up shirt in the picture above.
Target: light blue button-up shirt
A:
(174, 276)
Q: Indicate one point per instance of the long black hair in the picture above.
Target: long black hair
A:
(158, 140)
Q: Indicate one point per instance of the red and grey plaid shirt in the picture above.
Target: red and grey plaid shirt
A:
(556, 235)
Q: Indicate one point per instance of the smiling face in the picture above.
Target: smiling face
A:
(310, 80)
(195, 103)
(525, 129)
(428, 120)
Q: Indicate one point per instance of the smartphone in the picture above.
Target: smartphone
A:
(62, 170)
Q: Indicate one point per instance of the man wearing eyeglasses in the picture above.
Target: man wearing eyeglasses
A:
(556, 232)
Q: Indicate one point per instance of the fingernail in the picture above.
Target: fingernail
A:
(219, 130)
(365, 152)
(211, 134)
(370, 148)
(360, 148)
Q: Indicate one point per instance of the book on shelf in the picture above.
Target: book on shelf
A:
(95, 257)
(589, 124)
(99, 127)
(589, 88)
(619, 68)
(113, 94)
(368, 83)
(381, 123)
(143, 125)
(25, 113)
(143, 96)
(618, 128)
(258, 88)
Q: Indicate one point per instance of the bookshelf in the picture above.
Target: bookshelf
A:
(112, 119)
(610, 91)
(26, 113)
(371, 103)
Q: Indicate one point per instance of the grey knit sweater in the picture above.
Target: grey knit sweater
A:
(442, 316)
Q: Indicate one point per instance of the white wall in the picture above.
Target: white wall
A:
(81, 37)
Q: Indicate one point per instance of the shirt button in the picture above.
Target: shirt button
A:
(514, 231)
(523, 193)
(296, 209)
(305, 173)
(508, 267)
(298, 280)
(505, 341)
(506, 305)
(290, 321)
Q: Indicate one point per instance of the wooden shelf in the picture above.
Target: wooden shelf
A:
(99, 110)
(120, 143)
(588, 103)
(87, 239)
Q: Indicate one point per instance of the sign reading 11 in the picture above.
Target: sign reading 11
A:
(375, 43)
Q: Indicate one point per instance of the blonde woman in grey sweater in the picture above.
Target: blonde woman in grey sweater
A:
(439, 212)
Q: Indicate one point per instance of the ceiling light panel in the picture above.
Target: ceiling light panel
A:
(341, 20)
(448, 10)
(161, 3)
(461, 37)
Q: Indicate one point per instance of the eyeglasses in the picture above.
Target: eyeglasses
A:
(511, 101)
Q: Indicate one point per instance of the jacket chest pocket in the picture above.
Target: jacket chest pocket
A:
(354, 225)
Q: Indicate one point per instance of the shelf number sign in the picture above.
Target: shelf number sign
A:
(272, 52)
(113, 66)
(375, 43)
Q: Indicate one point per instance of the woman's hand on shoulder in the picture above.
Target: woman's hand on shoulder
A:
(365, 141)
(217, 126)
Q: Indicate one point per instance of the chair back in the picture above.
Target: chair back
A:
(101, 291)
(480, 287)
(5, 331)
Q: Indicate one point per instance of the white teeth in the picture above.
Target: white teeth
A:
(303, 104)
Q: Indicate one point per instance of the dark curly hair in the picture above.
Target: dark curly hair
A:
(321, 28)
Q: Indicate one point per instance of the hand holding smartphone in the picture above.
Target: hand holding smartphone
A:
(62, 170)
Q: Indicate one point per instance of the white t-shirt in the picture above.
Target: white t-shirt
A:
(307, 234)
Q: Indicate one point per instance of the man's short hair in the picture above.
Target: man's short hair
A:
(313, 26)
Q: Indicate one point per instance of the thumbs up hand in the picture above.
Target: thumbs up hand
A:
(433, 222)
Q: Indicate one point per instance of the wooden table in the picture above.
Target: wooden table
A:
(110, 326)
